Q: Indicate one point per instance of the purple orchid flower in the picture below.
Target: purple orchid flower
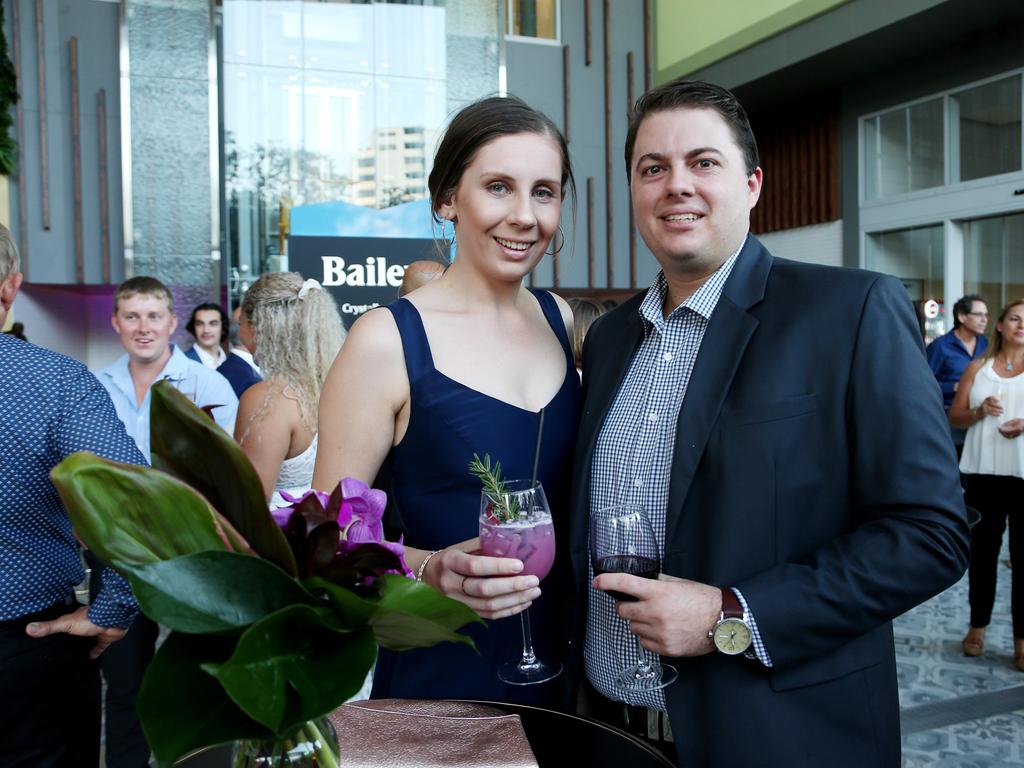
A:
(360, 518)
(362, 512)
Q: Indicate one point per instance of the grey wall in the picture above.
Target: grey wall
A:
(535, 74)
(51, 253)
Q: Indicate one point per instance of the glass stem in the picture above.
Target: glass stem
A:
(529, 657)
(643, 664)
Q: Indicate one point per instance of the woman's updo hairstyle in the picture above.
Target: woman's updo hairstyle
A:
(479, 123)
(298, 333)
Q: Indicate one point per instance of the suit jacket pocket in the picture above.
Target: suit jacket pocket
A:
(860, 653)
(761, 413)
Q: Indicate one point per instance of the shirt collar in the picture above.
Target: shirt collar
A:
(702, 301)
(210, 361)
(176, 367)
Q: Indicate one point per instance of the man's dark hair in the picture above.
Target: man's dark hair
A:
(191, 325)
(963, 306)
(694, 94)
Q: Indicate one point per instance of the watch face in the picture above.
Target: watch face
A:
(732, 637)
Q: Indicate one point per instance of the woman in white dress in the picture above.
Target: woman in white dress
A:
(989, 403)
(294, 331)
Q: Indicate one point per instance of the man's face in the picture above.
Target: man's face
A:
(145, 324)
(976, 321)
(208, 329)
(690, 189)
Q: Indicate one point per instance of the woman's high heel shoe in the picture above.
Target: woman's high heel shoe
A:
(974, 643)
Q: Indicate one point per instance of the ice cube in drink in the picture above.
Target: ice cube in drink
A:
(531, 540)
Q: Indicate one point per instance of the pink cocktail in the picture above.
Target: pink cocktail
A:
(532, 541)
(515, 522)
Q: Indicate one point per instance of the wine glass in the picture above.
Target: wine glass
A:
(622, 541)
(517, 523)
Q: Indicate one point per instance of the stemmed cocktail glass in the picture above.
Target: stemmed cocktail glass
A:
(517, 523)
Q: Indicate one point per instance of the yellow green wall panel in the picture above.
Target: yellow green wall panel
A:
(691, 34)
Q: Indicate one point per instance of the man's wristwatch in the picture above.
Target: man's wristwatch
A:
(731, 634)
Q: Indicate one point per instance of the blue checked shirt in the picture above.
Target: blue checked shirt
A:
(633, 461)
(51, 407)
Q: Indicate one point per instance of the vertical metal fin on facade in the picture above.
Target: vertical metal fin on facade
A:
(44, 153)
(630, 98)
(126, 144)
(609, 218)
(19, 117)
(76, 161)
(101, 125)
(591, 237)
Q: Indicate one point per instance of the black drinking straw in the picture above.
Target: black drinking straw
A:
(536, 449)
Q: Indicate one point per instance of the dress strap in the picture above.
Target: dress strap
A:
(554, 317)
(418, 360)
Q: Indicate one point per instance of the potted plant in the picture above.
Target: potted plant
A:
(274, 620)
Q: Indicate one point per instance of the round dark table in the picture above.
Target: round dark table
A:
(557, 739)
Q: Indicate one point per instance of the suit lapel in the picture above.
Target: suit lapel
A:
(725, 340)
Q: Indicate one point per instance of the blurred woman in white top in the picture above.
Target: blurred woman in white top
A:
(294, 331)
(989, 403)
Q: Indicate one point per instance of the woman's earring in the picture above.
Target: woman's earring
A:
(561, 244)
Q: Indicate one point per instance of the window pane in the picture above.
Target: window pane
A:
(534, 18)
(903, 150)
(990, 129)
(927, 158)
(916, 257)
(992, 264)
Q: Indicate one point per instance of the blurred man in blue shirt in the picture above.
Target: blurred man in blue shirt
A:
(950, 354)
(144, 319)
(51, 407)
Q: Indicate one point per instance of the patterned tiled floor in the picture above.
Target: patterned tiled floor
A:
(932, 668)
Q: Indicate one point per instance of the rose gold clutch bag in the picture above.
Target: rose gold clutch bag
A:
(412, 733)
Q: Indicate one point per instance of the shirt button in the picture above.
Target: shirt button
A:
(638, 483)
(667, 356)
(653, 418)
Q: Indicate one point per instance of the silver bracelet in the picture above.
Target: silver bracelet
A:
(423, 565)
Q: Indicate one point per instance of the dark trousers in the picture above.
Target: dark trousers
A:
(49, 697)
(123, 664)
(633, 720)
(997, 498)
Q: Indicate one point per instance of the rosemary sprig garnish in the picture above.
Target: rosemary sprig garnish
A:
(504, 507)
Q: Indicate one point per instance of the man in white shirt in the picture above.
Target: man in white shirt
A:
(208, 324)
(144, 319)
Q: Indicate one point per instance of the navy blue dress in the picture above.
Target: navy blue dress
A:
(439, 504)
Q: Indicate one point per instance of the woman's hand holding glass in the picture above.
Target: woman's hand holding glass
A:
(494, 587)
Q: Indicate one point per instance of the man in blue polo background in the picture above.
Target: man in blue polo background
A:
(949, 355)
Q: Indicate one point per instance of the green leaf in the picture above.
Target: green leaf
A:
(214, 591)
(182, 708)
(351, 610)
(411, 614)
(186, 443)
(131, 515)
(293, 666)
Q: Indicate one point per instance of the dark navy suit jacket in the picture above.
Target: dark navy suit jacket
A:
(813, 470)
(239, 373)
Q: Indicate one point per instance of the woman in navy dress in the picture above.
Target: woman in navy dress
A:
(464, 365)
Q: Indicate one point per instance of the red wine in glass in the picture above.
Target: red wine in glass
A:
(623, 541)
(636, 565)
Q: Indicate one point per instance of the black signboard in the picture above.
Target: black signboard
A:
(360, 272)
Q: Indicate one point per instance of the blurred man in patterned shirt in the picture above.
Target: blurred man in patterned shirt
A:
(50, 407)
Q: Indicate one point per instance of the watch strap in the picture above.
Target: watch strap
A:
(731, 608)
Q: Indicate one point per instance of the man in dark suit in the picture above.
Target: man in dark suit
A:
(781, 427)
